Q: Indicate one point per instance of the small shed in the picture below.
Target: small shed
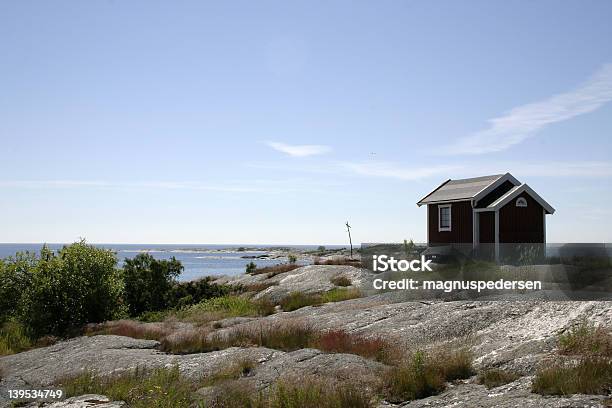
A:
(495, 209)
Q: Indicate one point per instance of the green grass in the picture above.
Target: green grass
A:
(423, 375)
(590, 370)
(589, 376)
(224, 307)
(139, 388)
(495, 378)
(242, 368)
(13, 339)
(298, 300)
(307, 393)
(283, 336)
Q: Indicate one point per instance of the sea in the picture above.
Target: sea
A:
(198, 260)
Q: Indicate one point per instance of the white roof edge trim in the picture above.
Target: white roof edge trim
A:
(503, 200)
(506, 177)
(420, 202)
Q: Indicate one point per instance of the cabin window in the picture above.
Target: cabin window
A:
(521, 202)
(444, 217)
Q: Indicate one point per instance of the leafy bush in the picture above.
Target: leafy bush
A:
(149, 283)
(78, 285)
(139, 388)
(188, 293)
(292, 259)
(15, 279)
(251, 267)
(495, 377)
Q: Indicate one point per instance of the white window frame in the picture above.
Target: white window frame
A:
(521, 202)
(450, 217)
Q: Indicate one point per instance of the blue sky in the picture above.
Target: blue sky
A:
(276, 122)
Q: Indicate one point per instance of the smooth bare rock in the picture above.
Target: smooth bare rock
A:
(512, 335)
(108, 354)
(305, 365)
(82, 401)
(306, 279)
(513, 395)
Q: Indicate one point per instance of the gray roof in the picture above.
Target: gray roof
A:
(463, 189)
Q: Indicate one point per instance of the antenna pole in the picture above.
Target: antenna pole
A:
(348, 229)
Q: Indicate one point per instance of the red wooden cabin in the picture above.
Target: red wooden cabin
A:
(494, 209)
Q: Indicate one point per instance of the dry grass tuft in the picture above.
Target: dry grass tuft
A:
(339, 261)
(586, 340)
(589, 376)
(129, 328)
(341, 281)
(339, 341)
(275, 269)
(297, 300)
(495, 378)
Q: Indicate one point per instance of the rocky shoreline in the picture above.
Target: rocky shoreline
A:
(518, 336)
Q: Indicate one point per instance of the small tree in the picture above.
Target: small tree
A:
(148, 282)
(250, 267)
(292, 259)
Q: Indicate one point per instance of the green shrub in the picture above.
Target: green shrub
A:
(251, 267)
(149, 282)
(292, 259)
(15, 278)
(589, 376)
(13, 339)
(495, 378)
(185, 294)
(139, 388)
(78, 285)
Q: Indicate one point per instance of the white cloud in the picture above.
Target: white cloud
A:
(299, 150)
(522, 122)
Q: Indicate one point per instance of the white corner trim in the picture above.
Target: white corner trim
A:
(497, 235)
(450, 218)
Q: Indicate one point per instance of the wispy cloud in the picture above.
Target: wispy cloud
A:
(398, 171)
(299, 150)
(523, 121)
(161, 185)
